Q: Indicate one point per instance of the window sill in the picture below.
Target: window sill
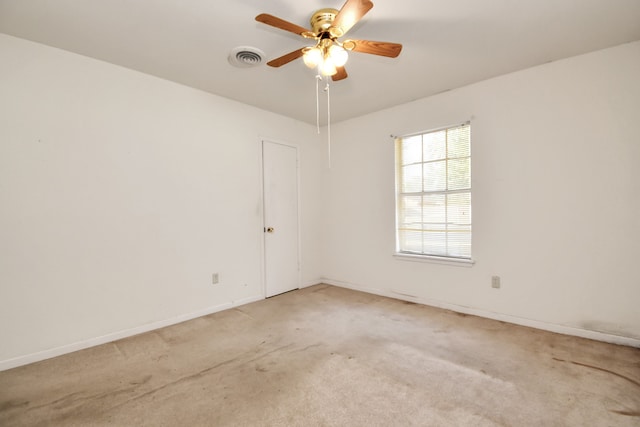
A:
(458, 262)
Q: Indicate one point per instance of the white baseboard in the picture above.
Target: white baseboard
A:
(92, 342)
(561, 329)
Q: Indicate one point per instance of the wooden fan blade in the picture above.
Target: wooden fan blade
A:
(274, 21)
(352, 11)
(390, 50)
(340, 75)
(285, 59)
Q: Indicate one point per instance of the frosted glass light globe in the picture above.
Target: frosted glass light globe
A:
(327, 68)
(312, 57)
(338, 55)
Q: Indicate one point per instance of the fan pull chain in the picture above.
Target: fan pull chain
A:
(326, 89)
(328, 122)
(318, 78)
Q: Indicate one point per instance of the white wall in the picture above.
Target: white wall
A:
(556, 198)
(120, 195)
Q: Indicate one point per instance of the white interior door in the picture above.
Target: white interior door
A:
(280, 168)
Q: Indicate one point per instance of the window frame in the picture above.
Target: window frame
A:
(426, 256)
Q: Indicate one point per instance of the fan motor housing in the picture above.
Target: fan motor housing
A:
(322, 20)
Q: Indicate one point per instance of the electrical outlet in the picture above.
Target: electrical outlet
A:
(215, 278)
(495, 282)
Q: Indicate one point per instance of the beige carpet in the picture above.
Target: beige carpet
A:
(326, 356)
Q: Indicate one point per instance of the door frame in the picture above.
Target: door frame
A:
(263, 258)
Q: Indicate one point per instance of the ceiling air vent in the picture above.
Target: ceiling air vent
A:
(246, 56)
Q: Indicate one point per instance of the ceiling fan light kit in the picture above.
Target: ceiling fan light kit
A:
(327, 55)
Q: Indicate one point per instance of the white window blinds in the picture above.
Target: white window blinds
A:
(433, 193)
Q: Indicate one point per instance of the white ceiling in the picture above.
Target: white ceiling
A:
(447, 43)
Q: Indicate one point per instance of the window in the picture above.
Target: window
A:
(433, 193)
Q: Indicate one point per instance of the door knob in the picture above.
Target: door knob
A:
(269, 229)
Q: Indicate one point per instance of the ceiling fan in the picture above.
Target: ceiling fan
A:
(329, 53)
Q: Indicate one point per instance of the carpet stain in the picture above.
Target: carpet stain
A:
(79, 398)
(65, 401)
(144, 380)
(175, 382)
(11, 404)
(627, 413)
(308, 347)
(199, 374)
(631, 380)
